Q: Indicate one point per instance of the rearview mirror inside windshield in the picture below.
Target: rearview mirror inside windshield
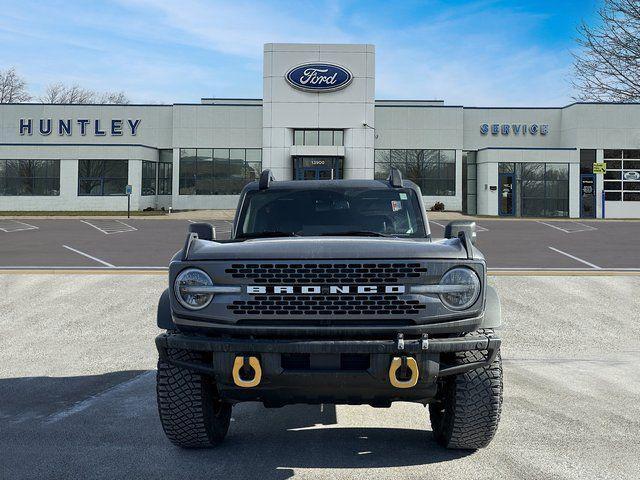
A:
(325, 206)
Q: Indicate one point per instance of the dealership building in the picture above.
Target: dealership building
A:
(319, 119)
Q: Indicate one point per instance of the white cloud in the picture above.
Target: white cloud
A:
(241, 28)
(179, 51)
(462, 54)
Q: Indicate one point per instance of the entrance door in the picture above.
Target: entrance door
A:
(506, 194)
(318, 173)
(587, 195)
(309, 173)
(317, 168)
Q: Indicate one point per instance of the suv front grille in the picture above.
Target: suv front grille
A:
(320, 273)
(327, 305)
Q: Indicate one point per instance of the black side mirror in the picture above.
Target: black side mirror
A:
(205, 231)
(453, 229)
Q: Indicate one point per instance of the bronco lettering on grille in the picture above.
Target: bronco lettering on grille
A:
(324, 289)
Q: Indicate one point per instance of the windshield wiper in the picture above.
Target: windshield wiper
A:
(354, 233)
(267, 234)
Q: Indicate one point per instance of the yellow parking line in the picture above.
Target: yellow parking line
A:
(561, 273)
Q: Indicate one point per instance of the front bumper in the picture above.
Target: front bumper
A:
(322, 377)
(335, 329)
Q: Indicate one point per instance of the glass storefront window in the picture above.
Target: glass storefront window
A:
(506, 167)
(204, 170)
(187, 180)
(469, 182)
(381, 162)
(102, 177)
(318, 137)
(149, 175)
(218, 171)
(542, 189)
(587, 159)
(311, 137)
(165, 172)
(29, 177)
(165, 178)
(325, 137)
(434, 171)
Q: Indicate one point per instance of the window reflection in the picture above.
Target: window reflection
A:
(149, 174)
(434, 171)
(30, 177)
(218, 171)
(542, 189)
(102, 177)
(315, 137)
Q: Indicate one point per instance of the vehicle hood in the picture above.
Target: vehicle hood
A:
(330, 248)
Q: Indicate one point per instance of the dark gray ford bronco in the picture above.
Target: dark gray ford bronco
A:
(329, 292)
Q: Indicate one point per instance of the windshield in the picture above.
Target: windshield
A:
(328, 211)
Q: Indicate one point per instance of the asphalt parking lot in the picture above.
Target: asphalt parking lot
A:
(78, 401)
(150, 243)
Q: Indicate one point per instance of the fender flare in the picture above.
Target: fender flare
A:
(492, 311)
(164, 318)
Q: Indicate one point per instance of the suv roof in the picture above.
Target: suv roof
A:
(305, 184)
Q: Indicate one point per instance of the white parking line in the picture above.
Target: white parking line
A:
(9, 226)
(107, 264)
(576, 258)
(88, 402)
(109, 227)
(479, 228)
(567, 269)
(586, 228)
(64, 267)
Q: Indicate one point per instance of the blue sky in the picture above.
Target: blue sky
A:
(472, 53)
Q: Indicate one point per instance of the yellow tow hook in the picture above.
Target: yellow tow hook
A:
(238, 379)
(411, 364)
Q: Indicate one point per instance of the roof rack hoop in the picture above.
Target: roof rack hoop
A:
(266, 177)
(395, 178)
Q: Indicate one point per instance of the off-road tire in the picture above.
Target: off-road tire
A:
(467, 410)
(192, 414)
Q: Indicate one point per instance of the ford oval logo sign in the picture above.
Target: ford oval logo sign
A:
(319, 77)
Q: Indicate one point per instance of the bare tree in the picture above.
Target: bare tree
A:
(607, 67)
(75, 94)
(119, 98)
(13, 89)
(61, 93)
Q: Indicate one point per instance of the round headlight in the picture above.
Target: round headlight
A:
(463, 288)
(185, 288)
